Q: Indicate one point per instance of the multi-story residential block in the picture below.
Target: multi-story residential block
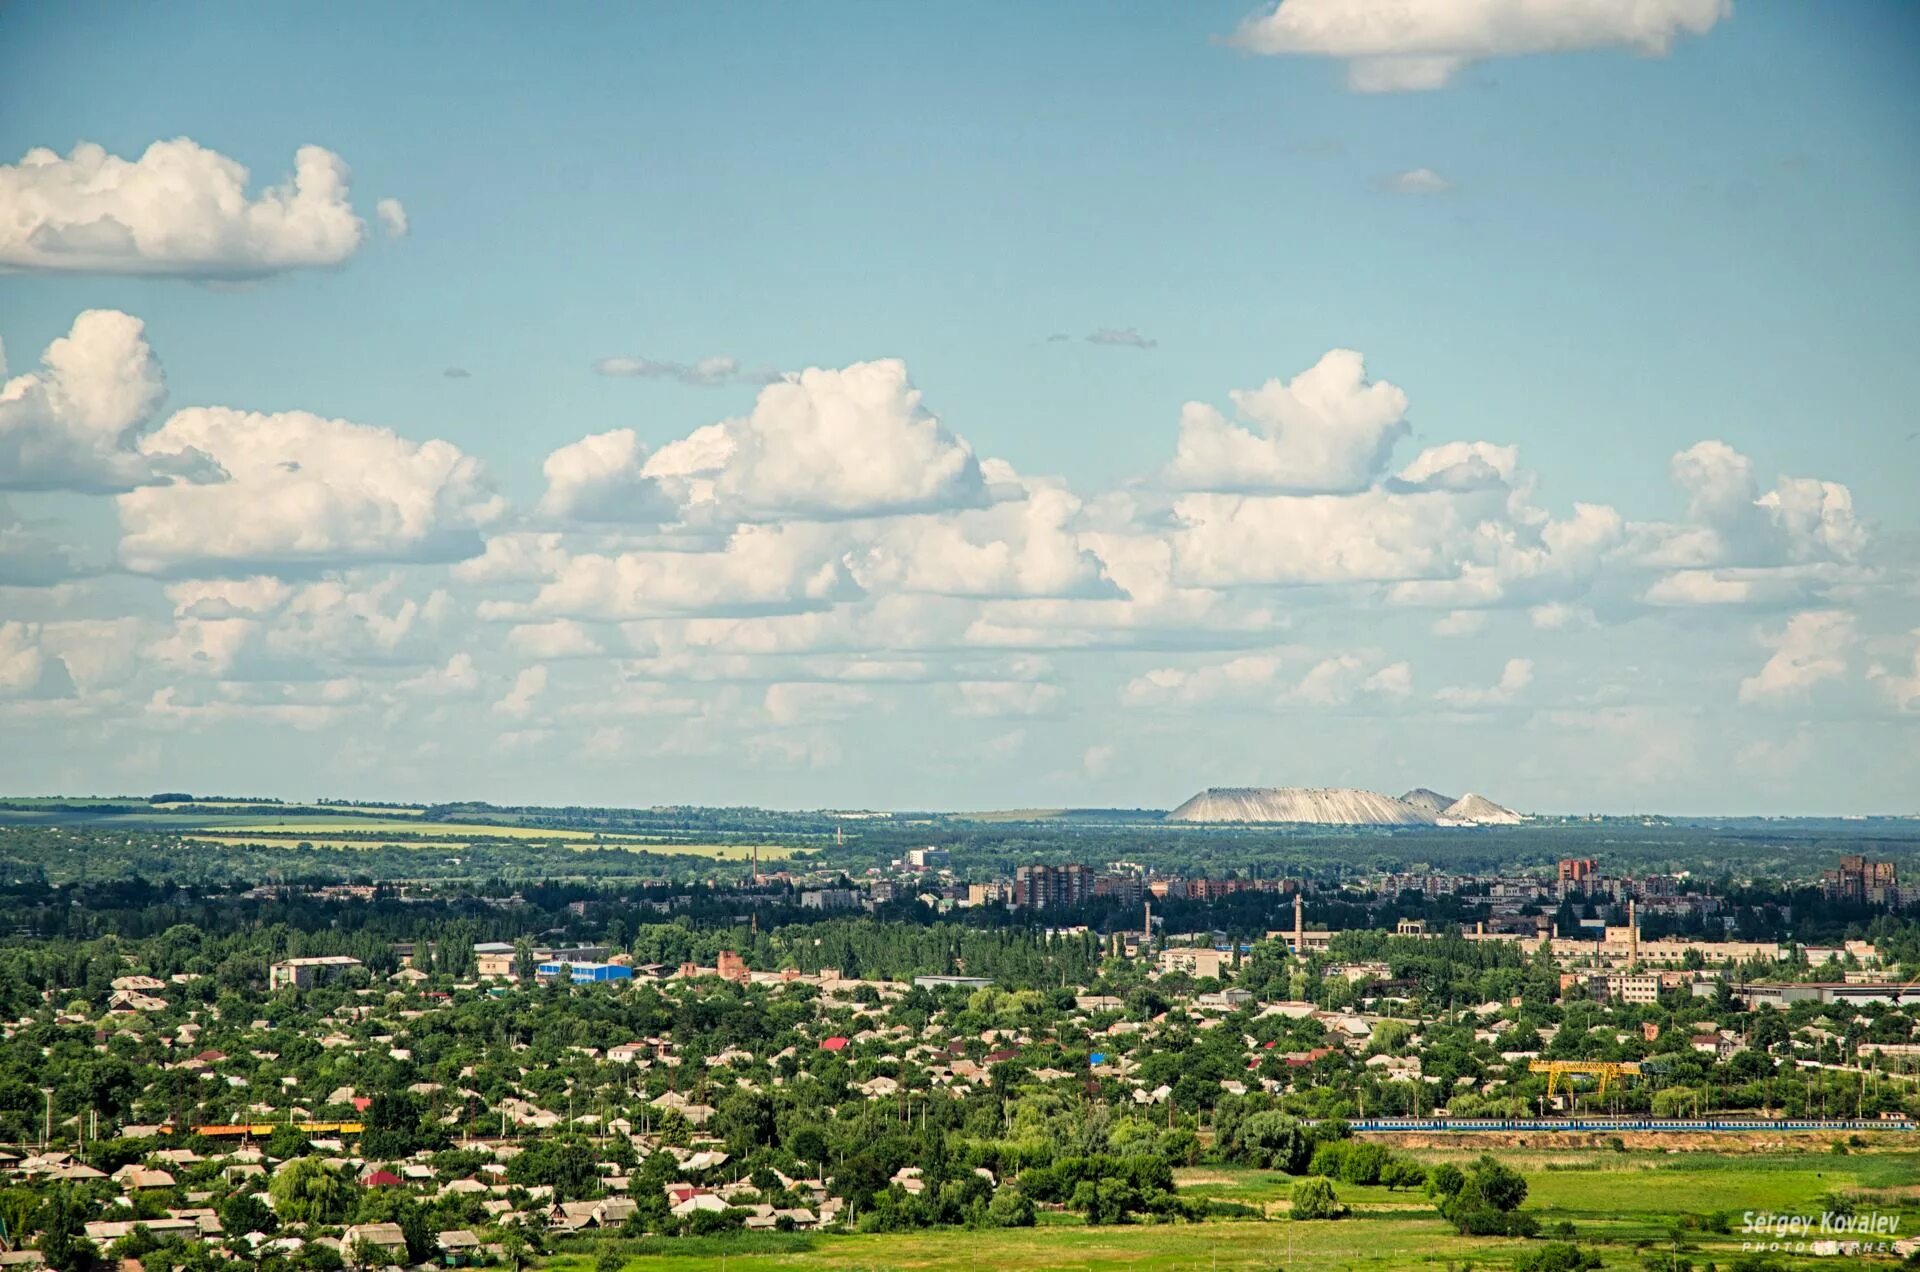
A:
(305, 973)
(1197, 961)
(1050, 887)
(1860, 879)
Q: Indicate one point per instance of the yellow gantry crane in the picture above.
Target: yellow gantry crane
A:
(268, 1128)
(1605, 1070)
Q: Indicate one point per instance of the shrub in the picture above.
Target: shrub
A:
(1330, 1160)
(1473, 1218)
(1314, 1198)
(1363, 1163)
(1272, 1141)
(1557, 1256)
(1010, 1208)
(1403, 1172)
(707, 1223)
(1481, 1200)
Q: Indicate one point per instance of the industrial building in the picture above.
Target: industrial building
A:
(585, 973)
(953, 982)
(1787, 994)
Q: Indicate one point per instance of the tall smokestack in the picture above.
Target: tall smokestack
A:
(1633, 930)
(1299, 925)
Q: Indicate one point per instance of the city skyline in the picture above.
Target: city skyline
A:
(917, 409)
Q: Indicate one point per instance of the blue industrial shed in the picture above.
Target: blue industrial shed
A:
(587, 973)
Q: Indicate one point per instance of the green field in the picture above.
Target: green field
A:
(451, 835)
(377, 826)
(1620, 1204)
(201, 814)
(317, 810)
(1227, 1246)
(237, 824)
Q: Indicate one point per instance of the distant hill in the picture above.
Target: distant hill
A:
(1341, 806)
(1432, 801)
(1329, 806)
(1481, 811)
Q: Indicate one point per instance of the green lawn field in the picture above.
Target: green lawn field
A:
(1228, 1246)
(323, 825)
(316, 810)
(237, 824)
(1620, 1204)
(359, 833)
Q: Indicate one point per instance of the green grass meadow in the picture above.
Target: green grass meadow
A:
(1621, 1205)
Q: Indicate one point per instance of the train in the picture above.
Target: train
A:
(1615, 1124)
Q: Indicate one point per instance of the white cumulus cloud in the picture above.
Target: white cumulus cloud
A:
(1732, 522)
(561, 638)
(762, 570)
(303, 492)
(853, 442)
(458, 678)
(1375, 536)
(1024, 547)
(818, 445)
(711, 372)
(1514, 679)
(807, 702)
(1235, 678)
(1404, 45)
(1418, 181)
(1459, 623)
(180, 209)
(603, 477)
(1902, 690)
(74, 424)
(528, 685)
(1338, 680)
(1329, 429)
(27, 670)
(393, 217)
(1813, 647)
(990, 698)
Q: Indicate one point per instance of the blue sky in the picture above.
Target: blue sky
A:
(1609, 258)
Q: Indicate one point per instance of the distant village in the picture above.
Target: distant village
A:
(475, 1104)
